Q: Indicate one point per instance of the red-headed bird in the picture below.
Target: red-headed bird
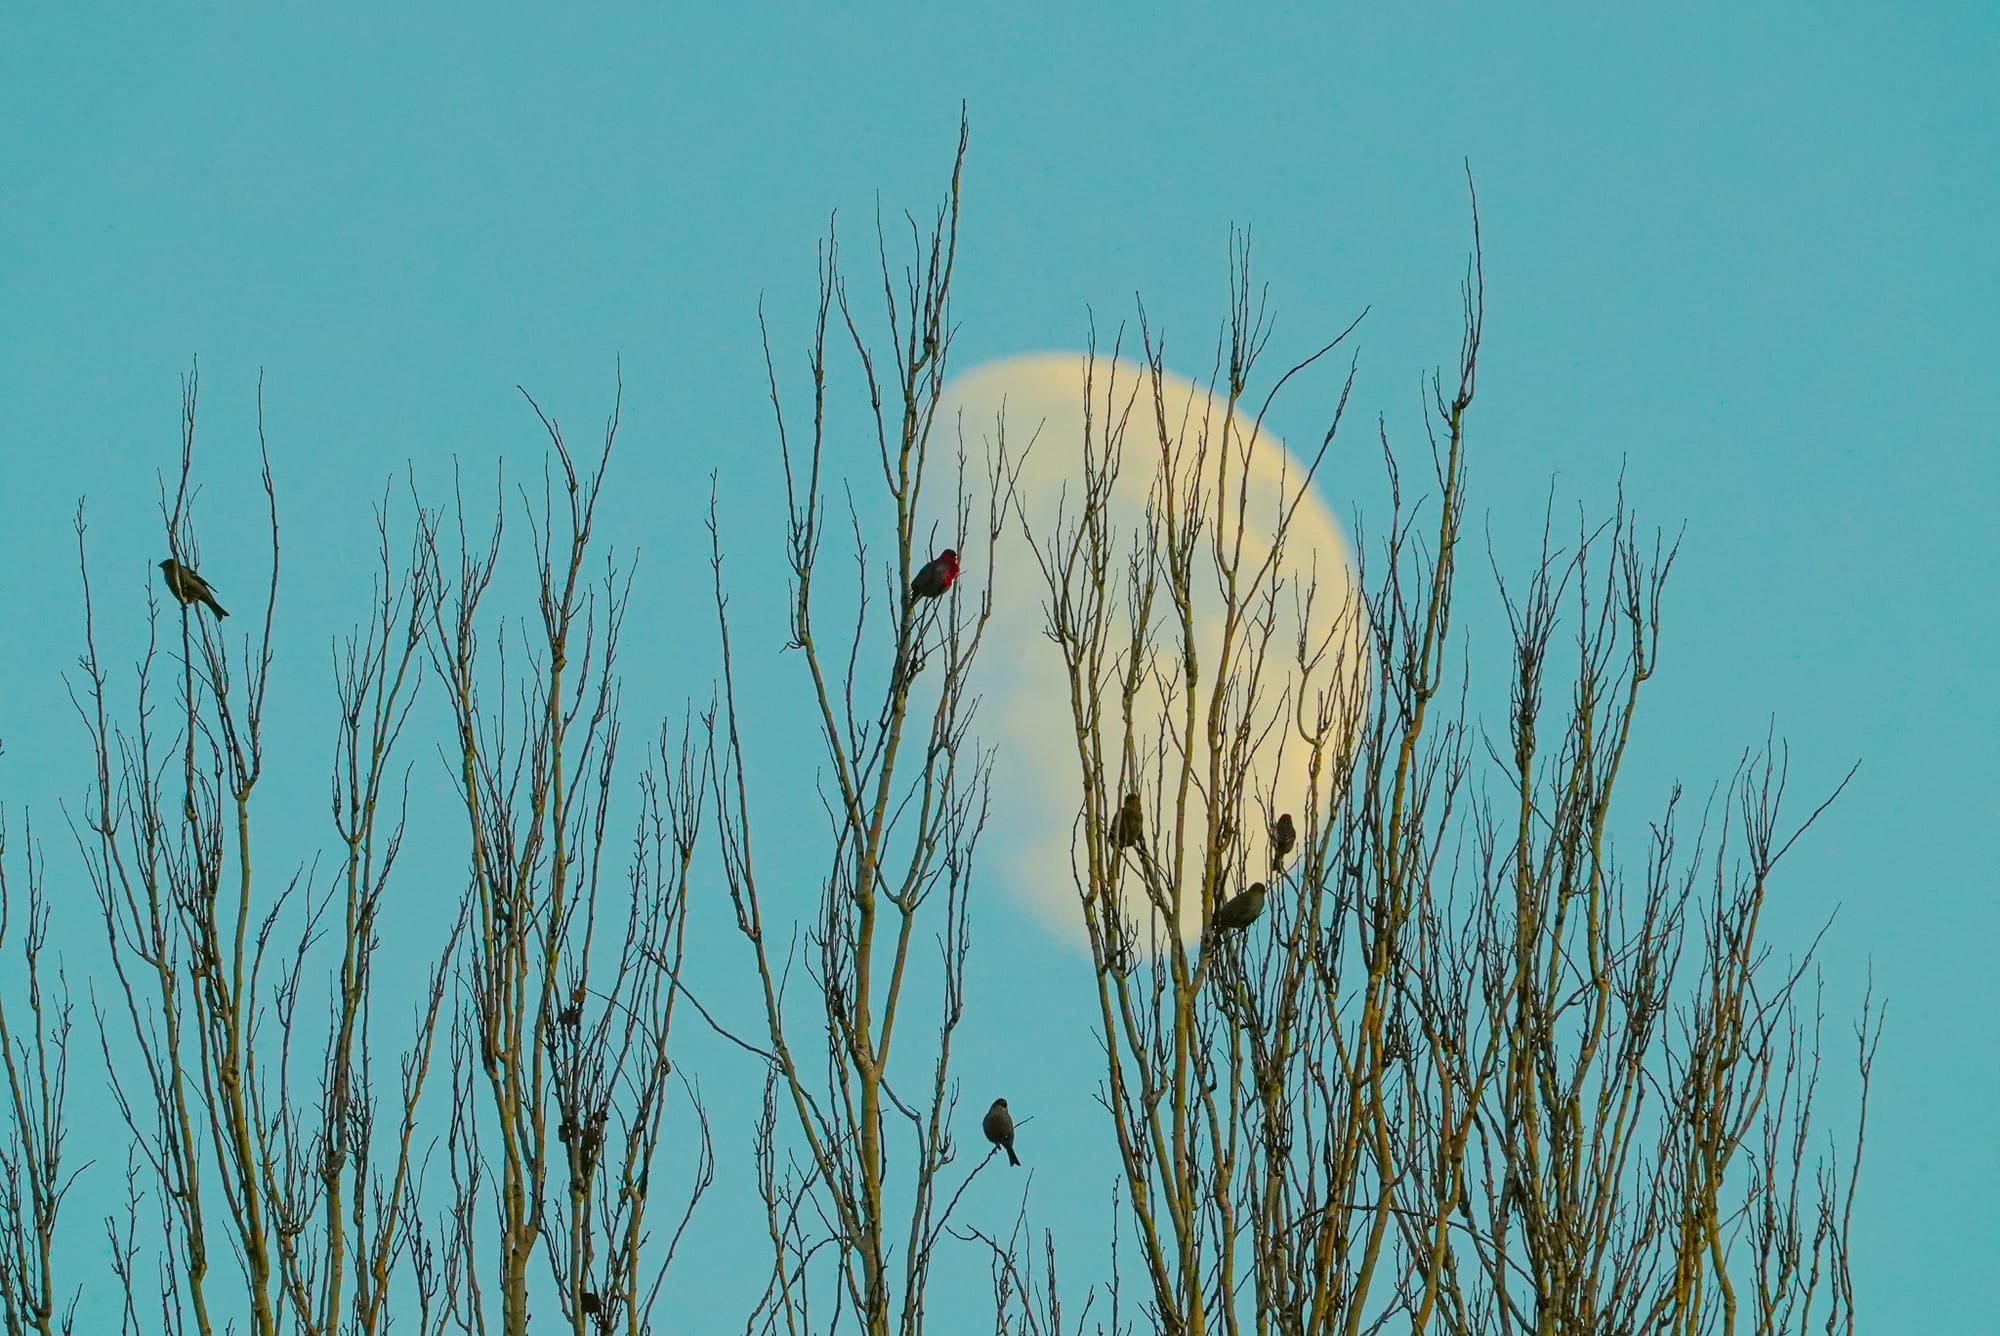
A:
(936, 576)
(188, 587)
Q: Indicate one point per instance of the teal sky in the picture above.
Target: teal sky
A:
(1746, 254)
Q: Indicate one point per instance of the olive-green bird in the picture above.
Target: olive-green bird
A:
(1128, 828)
(188, 587)
(1242, 911)
(999, 1129)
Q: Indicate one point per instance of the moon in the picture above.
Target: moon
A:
(1024, 695)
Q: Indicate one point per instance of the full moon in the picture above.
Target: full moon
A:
(1025, 700)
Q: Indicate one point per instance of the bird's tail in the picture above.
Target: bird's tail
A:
(1012, 1158)
(216, 608)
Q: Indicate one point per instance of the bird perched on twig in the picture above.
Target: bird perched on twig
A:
(936, 576)
(999, 1128)
(1242, 911)
(188, 587)
(1284, 835)
(1128, 828)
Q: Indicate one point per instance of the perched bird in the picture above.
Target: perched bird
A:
(188, 587)
(1128, 828)
(936, 576)
(1242, 911)
(1284, 835)
(999, 1127)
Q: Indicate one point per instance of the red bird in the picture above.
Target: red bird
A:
(936, 576)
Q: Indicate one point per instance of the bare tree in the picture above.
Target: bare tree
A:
(34, 1177)
(905, 802)
(1403, 1025)
(561, 1072)
(306, 1196)
(555, 1020)
(1468, 1072)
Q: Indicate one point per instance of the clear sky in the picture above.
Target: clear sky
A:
(1746, 253)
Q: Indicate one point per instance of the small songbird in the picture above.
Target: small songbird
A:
(1284, 835)
(188, 587)
(936, 576)
(1242, 911)
(1128, 828)
(999, 1127)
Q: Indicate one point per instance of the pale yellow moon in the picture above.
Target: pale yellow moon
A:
(1024, 710)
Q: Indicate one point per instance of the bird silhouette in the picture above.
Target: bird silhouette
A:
(1128, 828)
(188, 587)
(999, 1129)
(1284, 836)
(1242, 911)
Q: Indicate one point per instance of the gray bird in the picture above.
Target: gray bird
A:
(1284, 835)
(1242, 911)
(1128, 828)
(999, 1128)
(188, 587)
